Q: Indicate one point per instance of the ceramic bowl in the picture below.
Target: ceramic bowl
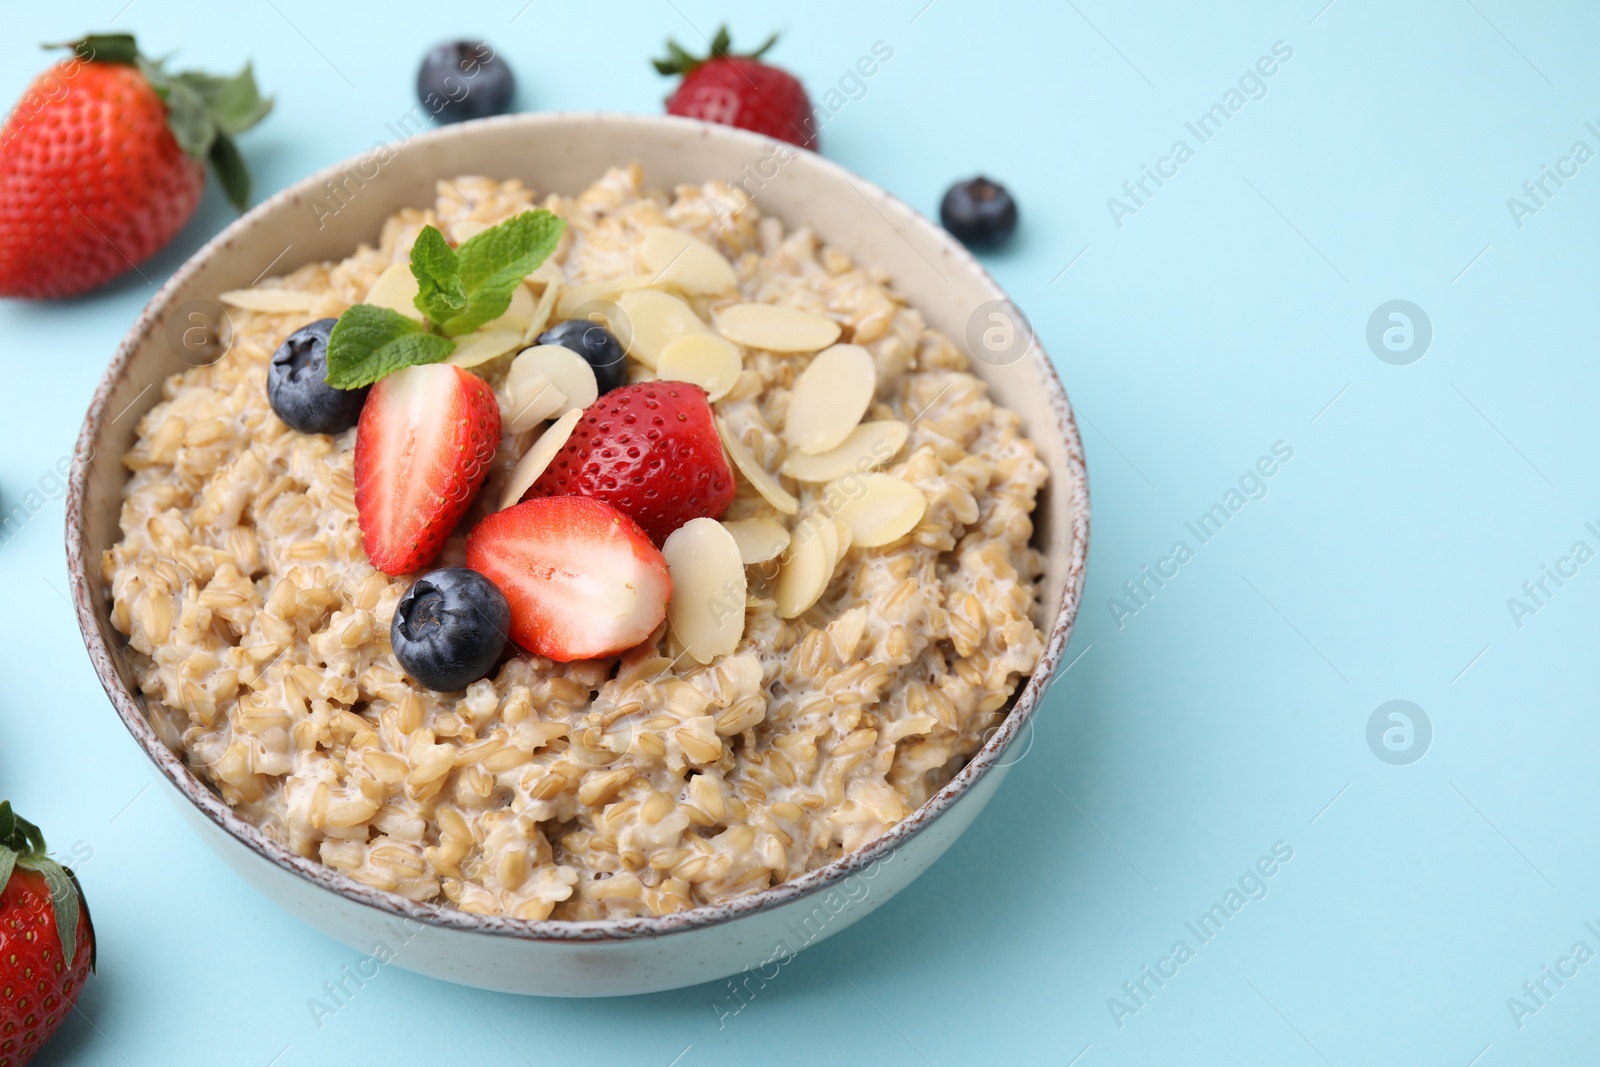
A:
(323, 218)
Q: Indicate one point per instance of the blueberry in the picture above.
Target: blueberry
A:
(450, 628)
(297, 386)
(462, 80)
(979, 213)
(594, 343)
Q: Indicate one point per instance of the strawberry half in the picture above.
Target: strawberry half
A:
(423, 446)
(649, 450)
(582, 578)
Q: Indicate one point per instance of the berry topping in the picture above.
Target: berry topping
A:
(979, 213)
(651, 451)
(461, 80)
(740, 90)
(297, 386)
(450, 628)
(102, 163)
(582, 578)
(423, 446)
(595, 344)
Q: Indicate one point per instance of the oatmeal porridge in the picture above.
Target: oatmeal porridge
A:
(885, 578)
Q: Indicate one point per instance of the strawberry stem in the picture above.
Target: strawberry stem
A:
(680, 61)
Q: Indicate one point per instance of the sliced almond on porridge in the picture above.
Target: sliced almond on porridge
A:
(542, 311)
(529, 402)
(395, 289)
(538, 457)
(562, 367)
(829, 398)
(273, 300)
(706, 611)
(483, 346)
(704, 359)
(869, 445)
(758, 539)
(685, 262)
(547, 273)
(574, 297)
(878, 508)
(649, 319)
(517, 314)
(464, 230)
(776, 329)
(755, 473)
(804, 576)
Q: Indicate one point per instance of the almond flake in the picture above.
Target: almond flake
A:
(706, 611)
(704, 359)
(517, 314)
(538, 457)
(869, 446)
(685, 262)
(878, 508)
(648, 319)
(575, 297)
(562, 367)
(395, 289)
(804, 576)
(483, 346)
(542, 311)
(776, 329)
(829, 398)
(755, 473)
(758, 539)
(530, 401)
(464, 230)
(273, 300)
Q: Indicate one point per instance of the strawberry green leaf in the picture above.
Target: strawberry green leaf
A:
(494, 263)
(433, 263)
(8, 860)
(231, 172)
(369, 342)
(235, 104)
(63, 901)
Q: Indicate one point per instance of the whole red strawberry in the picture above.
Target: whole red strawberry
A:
(649, 450)
(101, 164)
(740, 90)
(46, 940)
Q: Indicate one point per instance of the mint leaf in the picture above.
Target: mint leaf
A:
(433, 263)
(369, 342)
(494, 263)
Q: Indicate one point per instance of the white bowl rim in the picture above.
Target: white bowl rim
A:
(87, 596)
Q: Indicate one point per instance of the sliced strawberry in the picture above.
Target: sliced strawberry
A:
(423, 446)
(649, 450)
(582, 578)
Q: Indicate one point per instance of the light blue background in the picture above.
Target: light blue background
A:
(1229, 713)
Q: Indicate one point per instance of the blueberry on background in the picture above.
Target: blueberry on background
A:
(449, 628)
(596, 345)
(979, 213)
(461, 80)
(297, 386)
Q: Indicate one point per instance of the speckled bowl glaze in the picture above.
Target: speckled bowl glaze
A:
(323, 218)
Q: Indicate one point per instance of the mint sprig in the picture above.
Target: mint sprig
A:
(458, 290)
